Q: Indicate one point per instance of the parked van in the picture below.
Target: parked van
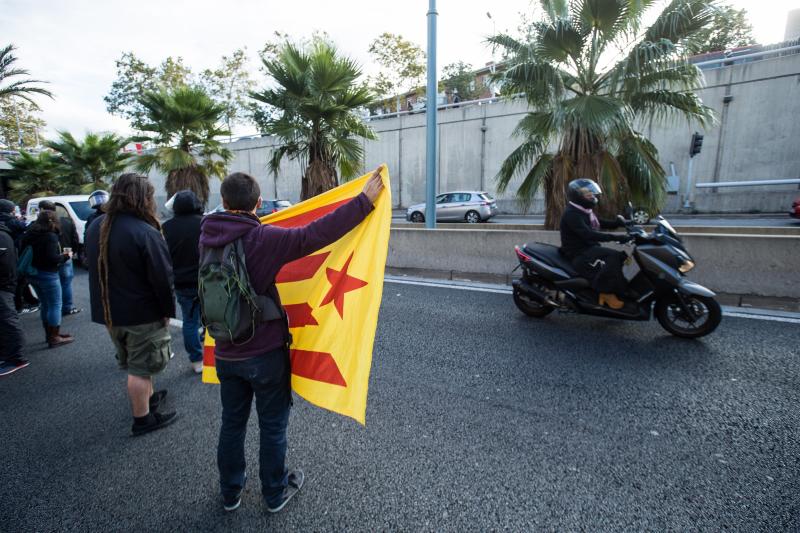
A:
(75, 206)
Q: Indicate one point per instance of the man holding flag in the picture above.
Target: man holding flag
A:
(260, 366)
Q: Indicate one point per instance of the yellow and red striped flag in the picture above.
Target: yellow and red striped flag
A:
(332, 298)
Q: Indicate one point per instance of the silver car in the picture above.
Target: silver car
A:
(463, 206)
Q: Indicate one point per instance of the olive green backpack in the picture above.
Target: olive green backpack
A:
(231, 310)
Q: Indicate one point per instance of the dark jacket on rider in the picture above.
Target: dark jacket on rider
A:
(577, 234)
(182, 233)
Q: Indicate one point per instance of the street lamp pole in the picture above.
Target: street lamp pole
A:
(431, 156)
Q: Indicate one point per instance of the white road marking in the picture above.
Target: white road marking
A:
(737, 312)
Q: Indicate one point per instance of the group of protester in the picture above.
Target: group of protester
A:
(45, 248)
(136, 268)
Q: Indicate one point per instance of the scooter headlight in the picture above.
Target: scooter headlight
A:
(687, 265)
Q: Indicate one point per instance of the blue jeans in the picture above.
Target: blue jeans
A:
(65, 275)
(48, 288)
(267, 377)
(190, 314)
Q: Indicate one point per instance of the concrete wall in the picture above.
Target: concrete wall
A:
(755, 138)
(739, 264)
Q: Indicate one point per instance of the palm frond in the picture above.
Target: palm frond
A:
(666, 106)
(534, 180)
(518, 161)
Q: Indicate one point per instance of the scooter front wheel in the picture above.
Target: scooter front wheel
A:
(529, 306)
(704, 316)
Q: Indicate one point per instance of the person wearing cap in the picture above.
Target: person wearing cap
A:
(68, 238)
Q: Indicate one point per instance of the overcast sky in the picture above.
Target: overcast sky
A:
(73, 44)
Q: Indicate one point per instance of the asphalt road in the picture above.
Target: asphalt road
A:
(771, 221)
(479, 418)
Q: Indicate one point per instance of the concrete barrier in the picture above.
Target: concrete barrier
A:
(723, 230)
(763, 265)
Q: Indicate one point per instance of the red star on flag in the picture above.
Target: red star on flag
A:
(341, 283)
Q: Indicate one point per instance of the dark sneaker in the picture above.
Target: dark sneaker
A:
(155, 421)
(73, 311)
(9, 367)
(31, 309)
(296, 480)
(157, 399)
(233, 503)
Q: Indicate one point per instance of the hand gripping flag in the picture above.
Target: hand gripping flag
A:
(332, 298)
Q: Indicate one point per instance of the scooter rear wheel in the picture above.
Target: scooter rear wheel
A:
(530, 306)
(672, 318)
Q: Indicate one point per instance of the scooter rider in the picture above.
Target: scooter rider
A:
(580, 243)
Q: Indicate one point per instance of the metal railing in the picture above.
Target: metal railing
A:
(733, 59)
(751, 183)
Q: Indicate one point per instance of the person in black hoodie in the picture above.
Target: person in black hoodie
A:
(130, 286)
(580, 242)
(42, 237)
(10, 331)
(16, 229)
(183, 237)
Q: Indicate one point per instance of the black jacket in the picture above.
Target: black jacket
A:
(47, 254)
(96, 213)
(140, 274)
(8, 261)
(69, 234)
(577, 234)
(182, 233)
(15, 226)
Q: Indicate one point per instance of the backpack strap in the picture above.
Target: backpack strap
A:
(269, 303)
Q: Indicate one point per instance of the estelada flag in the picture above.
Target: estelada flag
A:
(332, 298)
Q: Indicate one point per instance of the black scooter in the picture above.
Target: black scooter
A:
(549, 282)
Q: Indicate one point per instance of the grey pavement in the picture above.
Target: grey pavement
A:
(479, 418)
(768, 220)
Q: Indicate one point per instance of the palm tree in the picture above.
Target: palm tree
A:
(312, 111)
(93, 163)
(22, 88)
(184, 122)
(592, 78)
(33, 175)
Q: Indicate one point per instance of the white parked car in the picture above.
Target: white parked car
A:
(74, 206)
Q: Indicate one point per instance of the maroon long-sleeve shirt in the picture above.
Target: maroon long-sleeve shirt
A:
(267, 248)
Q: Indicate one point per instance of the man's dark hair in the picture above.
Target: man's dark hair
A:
(240, 192)
(47, 205)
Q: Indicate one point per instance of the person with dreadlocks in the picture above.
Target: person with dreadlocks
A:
(130, 284)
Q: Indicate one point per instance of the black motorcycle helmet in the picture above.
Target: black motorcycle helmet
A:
(583, 192)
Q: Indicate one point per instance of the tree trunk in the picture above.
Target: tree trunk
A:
(319, 177)
(192, 178)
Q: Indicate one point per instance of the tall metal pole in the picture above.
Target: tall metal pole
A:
(431, 156)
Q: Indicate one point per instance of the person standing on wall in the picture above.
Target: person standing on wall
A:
(68, 238)
(182, 233)
(130, 285)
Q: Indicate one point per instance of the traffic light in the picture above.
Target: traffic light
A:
(697, 144)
